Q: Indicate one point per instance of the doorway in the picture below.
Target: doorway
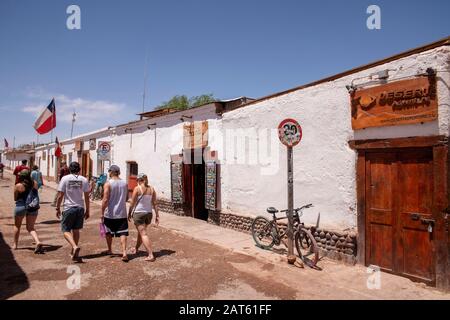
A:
(399, 216)
(194, 184)
(402, 197)
(86, 165)
(132, 173)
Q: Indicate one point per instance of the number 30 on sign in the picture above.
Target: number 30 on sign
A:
(289, 132)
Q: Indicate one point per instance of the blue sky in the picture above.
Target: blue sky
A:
(228, 48)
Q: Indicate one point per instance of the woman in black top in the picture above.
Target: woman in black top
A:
(21, 191)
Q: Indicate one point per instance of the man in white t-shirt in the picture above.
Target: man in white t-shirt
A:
(72, 187)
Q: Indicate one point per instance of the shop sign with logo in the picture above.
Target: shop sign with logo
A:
(396, 103)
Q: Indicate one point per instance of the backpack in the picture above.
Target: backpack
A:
(32, 201)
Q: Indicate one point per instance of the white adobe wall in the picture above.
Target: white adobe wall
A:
(47, 166)
(68, 148)
(324, 165)
(169, 141)
(156, 164)
(10, 162)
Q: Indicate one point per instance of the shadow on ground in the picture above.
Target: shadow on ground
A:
(13, 279)
(49, 222)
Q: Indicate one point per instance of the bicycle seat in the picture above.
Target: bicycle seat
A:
(272, 210)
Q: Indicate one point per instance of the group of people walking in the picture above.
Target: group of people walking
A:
(73, 208)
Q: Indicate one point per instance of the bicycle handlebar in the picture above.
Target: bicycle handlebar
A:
(306, 206)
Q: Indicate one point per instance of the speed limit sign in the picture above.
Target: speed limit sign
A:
(104, 150)
(289, 132)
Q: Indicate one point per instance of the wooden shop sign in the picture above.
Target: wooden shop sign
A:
(400, 102)
(195, 135)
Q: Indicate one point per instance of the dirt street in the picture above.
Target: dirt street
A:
(185, 268)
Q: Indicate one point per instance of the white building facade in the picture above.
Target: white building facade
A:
(369, 181)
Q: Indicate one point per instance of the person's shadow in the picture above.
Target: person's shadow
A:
(49, 222)
(156, 254)
(13, 279)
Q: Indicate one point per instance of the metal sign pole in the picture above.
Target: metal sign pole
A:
(290, 232)
(290, 134)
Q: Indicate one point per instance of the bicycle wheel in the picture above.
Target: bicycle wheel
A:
(306, 246)
(263, 232)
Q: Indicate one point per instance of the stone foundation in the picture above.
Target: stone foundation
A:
(167, 206)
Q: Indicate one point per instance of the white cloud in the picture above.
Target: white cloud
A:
(88, 112)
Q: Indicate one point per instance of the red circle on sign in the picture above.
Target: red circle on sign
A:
(290, 132)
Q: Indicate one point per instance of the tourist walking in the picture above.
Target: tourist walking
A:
(114, 210)
(72, 188)
(19, 168)
(143, 202)
(36, 175)
(22, 191)
(63, 171)
(2, 166)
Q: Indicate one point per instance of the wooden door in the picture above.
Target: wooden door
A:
(132, 177)
(188, 192)
(399, 220)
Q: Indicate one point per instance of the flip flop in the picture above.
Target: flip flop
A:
(38, 248)
(152, 259)
(125, 259)
(76, 252)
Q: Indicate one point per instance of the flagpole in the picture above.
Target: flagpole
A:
(51, 133)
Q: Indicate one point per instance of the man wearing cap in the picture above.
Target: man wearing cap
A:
(114, 210)
(72, 187)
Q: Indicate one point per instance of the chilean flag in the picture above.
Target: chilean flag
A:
(47, 119)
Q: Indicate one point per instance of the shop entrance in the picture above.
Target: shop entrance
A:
(399, 216)
(86, 165)
(194, 184)
(402, 207)
(132, 173)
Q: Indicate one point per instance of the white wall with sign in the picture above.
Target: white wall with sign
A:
(324, 165)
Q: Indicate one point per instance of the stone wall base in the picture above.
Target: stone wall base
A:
(167, 206)
(340, 246)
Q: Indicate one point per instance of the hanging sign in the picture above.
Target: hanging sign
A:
(211, 185)
(176, 171)
(92, 144)
(396, 103)
(104, 150)
(289, 132)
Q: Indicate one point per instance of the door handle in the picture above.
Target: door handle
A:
(429, 222)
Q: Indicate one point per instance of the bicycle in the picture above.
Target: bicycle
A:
(97, 187)
(268, 233)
